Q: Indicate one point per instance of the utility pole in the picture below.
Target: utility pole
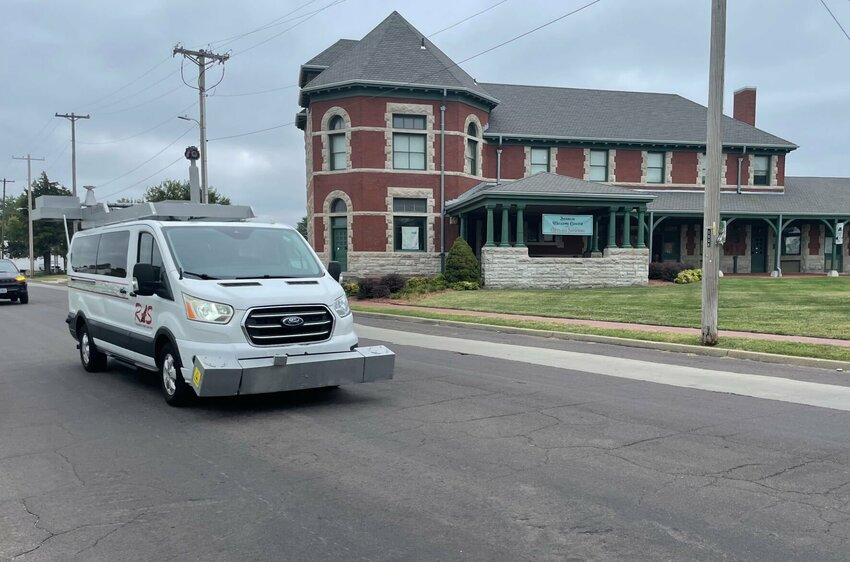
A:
(3, 224)
(202, 59)
(713, 153)
(73, 118)
(29, 160)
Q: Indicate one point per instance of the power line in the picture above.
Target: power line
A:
(497, 4)
(269, 25)
(142, 104)
(169, 145)
(217, 95)
(169, 120)
(841, 27)
(157, 65)
(137, 92)
(416, 80)
(309, 16)
(179, 158)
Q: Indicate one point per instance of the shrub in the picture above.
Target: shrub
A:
(422, 285)
(372, 289)
(351, 289)
(394, 282)
(666, 271)
(461, 263)
(688, 276)
(464, 286)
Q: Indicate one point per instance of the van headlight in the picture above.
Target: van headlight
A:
(205, 311)
(341, 307)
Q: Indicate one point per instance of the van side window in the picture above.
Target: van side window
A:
(149, 251)
(112, 254)
(84, 253)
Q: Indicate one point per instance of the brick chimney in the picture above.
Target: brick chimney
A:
(744, 106)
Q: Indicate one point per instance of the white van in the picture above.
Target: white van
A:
(217, 308)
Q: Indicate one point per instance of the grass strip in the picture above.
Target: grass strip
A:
(816, 351)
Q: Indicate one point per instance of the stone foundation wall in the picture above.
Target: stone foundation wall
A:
(371, 264)
(512, 268)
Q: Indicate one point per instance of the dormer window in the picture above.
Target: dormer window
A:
(472, 150)
(761, 170)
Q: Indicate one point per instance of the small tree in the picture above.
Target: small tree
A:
(461, 263)
(174, 190)
(302, 226)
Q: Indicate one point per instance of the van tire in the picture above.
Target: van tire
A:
(92, 360)
(24, 299)
(175, 390)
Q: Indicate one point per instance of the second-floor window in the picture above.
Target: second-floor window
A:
(539, 160)
(472, 149)
(598, 165)
(337, 144)
(761, 170)
(655, 167)
(409, 148)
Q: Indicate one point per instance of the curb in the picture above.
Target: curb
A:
(613, 340)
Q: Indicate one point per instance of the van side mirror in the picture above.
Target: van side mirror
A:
(145, 278)
(335, 270)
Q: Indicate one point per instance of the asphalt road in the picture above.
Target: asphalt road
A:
(461, 457)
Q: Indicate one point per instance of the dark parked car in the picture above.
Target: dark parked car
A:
(13, 285)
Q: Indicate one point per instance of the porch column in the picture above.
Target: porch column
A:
(627, 228)
(489, 241)
(594, 244)
(612, 228)
(641, 235)
(778, 240)
(520, 235)
(506, 231)
(463, 227)
(834, 245)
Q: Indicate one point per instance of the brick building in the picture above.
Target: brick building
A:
(396, 132)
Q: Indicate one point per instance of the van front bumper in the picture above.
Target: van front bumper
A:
(226, 376)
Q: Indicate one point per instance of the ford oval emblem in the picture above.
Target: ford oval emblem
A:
(292, 321)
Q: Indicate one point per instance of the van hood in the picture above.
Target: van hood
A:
(243, 294)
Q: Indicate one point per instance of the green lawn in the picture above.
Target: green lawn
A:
(811, 306)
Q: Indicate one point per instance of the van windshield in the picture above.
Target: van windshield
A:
(240, 252)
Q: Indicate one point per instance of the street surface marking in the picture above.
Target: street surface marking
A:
(756, 386)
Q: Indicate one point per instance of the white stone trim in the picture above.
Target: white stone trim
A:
(612, 165)
(644, 166)
(553, 160)
(409, 109)
(586, 164)
(668, 167)
(773, 164)
(349, 222)
(413, 193)
(750, 170)
(326, 143)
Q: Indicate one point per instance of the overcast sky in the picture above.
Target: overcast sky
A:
(89, 56)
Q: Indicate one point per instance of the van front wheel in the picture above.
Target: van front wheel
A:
(175, 390)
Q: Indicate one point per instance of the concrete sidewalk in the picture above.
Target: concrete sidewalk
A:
(390, 305)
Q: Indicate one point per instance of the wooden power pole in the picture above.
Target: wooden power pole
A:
(29, 160)
(714, 166)
(3, 217)
(72, 117)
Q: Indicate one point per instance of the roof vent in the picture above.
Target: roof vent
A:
(422, 44)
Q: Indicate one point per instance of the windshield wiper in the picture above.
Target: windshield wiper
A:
(270, 277)
(203, 276)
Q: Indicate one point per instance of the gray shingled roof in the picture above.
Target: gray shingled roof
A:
(391, 54)
(329, 55)
(571, 113)
(549, 185)
(803, 196)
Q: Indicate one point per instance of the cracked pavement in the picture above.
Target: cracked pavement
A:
(461, 457)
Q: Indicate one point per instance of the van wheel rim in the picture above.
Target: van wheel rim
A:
(84, 348)
(169, 375)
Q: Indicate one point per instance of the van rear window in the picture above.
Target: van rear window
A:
(84, 253)
(104, 254)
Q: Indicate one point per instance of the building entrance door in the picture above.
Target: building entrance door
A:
(339, 241)
(827, 256)
(758, 254)
(670, 243)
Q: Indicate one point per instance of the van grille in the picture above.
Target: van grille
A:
(278, 325)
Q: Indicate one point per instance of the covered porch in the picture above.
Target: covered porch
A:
(550, 231)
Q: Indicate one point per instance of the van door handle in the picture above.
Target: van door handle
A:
(123, 291)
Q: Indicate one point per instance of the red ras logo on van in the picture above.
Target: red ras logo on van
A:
(144, 314)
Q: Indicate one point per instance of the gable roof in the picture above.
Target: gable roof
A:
(828, 197)
(550, 185)
(605, 115)
(392, 54)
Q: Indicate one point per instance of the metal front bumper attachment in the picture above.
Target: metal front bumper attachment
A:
(225, 376)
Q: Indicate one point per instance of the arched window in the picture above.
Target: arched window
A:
(336, 123)
(472, 149)
(339, 206)
(336, 143)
